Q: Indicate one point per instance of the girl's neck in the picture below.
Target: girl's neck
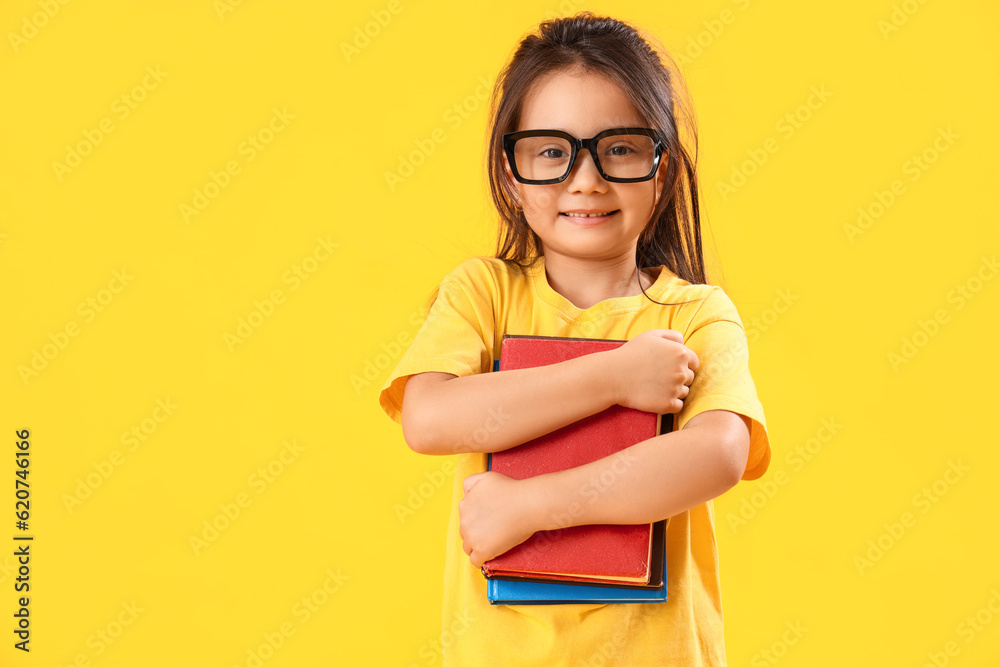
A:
(585, 283)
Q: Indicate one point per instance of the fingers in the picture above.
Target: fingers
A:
(674, 406)
(692, 359)
(477, 559)
(670, 334)
(678, 337)
(471, 480)
(463, 529)
(474, 559)
(462, 533)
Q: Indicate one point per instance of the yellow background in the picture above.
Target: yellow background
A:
(824, 543)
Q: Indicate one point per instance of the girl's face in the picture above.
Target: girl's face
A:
(583, 105)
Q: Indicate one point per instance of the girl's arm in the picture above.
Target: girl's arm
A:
(649, 481)
(491, 412)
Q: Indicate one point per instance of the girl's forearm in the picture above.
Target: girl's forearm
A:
(491, 412)
(649, 481)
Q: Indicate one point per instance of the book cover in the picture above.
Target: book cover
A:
(656, 572)
(613, 554)
(511, 591)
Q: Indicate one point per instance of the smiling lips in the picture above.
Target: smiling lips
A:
(590, 216)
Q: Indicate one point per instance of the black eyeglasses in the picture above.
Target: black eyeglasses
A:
(622, 155)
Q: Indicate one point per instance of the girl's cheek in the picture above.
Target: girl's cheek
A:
(545, 198)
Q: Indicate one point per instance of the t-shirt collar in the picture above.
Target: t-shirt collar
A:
(544, 290)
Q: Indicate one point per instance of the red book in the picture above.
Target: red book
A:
(613, 554)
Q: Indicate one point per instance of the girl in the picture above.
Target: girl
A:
(599, 238)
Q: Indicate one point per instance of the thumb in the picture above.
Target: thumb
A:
(471, 481)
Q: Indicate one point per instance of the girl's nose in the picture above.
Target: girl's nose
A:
(584, 175)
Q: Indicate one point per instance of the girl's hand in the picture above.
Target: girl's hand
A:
(496, 514)
(653, 371)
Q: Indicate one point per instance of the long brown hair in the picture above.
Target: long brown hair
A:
(650, 79)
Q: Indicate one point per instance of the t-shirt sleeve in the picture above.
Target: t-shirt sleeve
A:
(722, 381)
(452, 339)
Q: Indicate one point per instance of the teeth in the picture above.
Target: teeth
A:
(589, 215)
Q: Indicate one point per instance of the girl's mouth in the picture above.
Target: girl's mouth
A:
(589, 219)
(587, 216)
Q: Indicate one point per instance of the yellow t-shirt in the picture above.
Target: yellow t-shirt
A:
(473, 307)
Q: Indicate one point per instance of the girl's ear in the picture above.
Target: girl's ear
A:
(660, 179)
(511, 183)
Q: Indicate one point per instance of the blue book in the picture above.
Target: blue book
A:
(507, 591)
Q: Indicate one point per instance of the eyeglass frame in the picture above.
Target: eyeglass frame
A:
(576, 145)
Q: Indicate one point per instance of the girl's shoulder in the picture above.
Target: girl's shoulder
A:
(480, 266)
(698, 302)
(481, 281)
(679, 289)
(489, 273)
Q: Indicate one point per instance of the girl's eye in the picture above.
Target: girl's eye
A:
(553, 153)
(620, 151)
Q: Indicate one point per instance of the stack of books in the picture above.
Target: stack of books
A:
(578, 564)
